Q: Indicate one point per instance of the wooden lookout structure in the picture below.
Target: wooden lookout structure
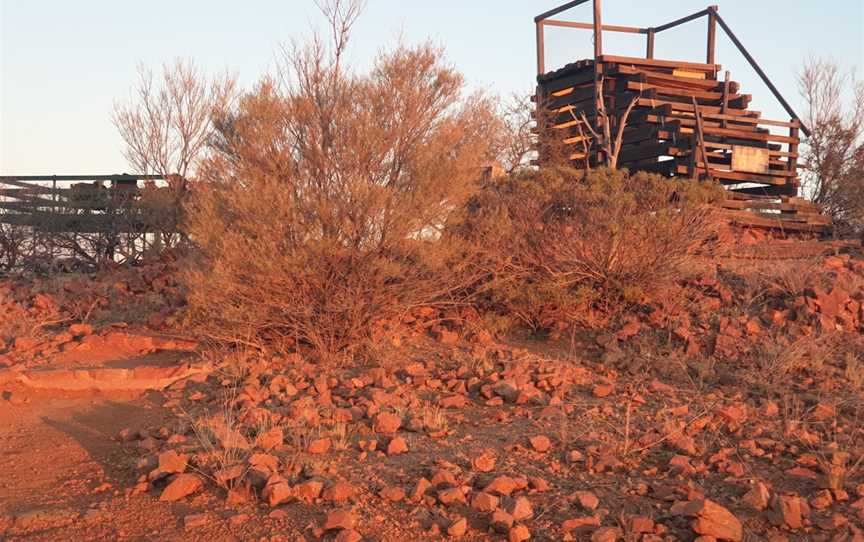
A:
(674, 118)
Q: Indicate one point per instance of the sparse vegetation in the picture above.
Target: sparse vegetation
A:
(356, 176)
(565, 246)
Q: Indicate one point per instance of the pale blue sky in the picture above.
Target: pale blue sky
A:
(64, 62)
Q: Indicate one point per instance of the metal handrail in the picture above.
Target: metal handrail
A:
(711, 12)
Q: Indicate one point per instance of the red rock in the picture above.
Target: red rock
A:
(711, 519)
(823, 411)
(453, 401)
(502, 485)
(339, 493)
(540, 443)
(397, 446)
(484, 502)
(606, 534)
(339, 519)
(538, 484)
(348, 535)
(788, 511)
(458, 527)
(832, 522)
(603, 390)
(182, 486)
(309, 490)
(822, 500)
(270, 439)
(641, 524)
(225, 476)
(387, 422)
(587, 500)
(507, 390)
(501, 521)
(443, 477)
(520, 508)
(170, 462)
(277, 491)
(420, 489)
(319, 446)
(518, 533)
(734, 414)
(265, 462)
(758, 496)
(484, 462)
(452, 495)
(392, 494)
(573, 524)
(239, 495)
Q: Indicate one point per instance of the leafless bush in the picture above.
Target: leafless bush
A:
(166, 126)
(567, 246)
(15, 245)
(834, 152)
(324, 209)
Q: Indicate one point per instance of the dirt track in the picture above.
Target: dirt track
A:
(63, 474)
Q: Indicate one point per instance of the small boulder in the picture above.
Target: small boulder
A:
(711, 519)
(397, 446)
(180, 487)
(540, 443)
(387, 422)
(339, 519)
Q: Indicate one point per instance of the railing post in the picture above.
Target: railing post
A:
(793, 159)
(712, 34)
(541, 49)
(649, 53)
(598, 30)
(598, 71)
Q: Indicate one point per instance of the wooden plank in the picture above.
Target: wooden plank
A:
(746, 177)
(752, 136)
(668, 79)
(653, 63)
(701, 94)
(677, 106)
(590, 26)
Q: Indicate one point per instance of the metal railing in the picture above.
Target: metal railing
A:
(711, 12)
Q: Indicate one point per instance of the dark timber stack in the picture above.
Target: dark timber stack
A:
(680, 119)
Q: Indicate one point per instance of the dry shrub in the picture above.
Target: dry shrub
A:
(323, 209)
(15, 246)
(564, 246)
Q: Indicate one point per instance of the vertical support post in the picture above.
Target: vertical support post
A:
(724, 123)
(649, 53)
(598, 29)
(53, 215)
(700, 139)
(541, 49)
(712, 34)
(599, 119)
(793, 160)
